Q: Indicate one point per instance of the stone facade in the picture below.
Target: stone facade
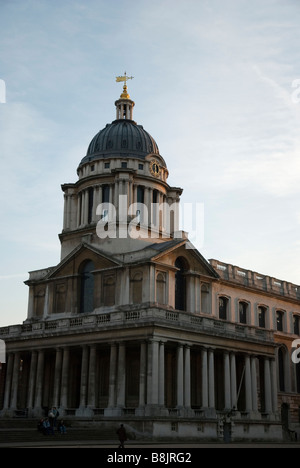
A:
(134, 324)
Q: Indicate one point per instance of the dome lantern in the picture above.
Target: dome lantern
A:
(124, 105)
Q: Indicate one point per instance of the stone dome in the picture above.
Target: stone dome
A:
(122, 138)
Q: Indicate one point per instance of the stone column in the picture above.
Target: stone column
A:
(32, 381)
(187, 377)
(39, 384)
(8, 379)
(248, 383)
(149, 373)
(112, 377)
(15, 382)
(84, 380)
(204, 379)
(254, 384)
(155, 371)
(180, 376)
(65, 211)
(227, 381)
(143, 379)
(274, 386)
(268, 393)
(148, 206)
(86, 207)
(78, 209)
(82, 200)
(68, 211)
(152, 378)
(57, 377)
(211, 379)
(121, 389)
(92, 378)
(233, 381)
(130, 195)
(65, 379)
(161, 390)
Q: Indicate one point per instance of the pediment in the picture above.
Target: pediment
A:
(72, 263)
(195, 261)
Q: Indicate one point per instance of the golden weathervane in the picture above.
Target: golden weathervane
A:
(124, 78)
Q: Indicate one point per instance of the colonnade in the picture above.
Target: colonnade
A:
(80, 209)
(202, 379)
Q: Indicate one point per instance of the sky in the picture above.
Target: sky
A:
(217, 85)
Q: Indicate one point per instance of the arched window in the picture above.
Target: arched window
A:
(279, 320)
(243, 309)
(87, 287)
(223, 307)
(262, 311)
(180, 284)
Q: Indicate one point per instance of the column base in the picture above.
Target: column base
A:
(7, 413)
(156, 410)
(84, 412)
(115, 411)
(209, 413)
(185, 412)
(140, 411)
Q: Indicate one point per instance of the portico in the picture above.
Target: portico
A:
(147, 372)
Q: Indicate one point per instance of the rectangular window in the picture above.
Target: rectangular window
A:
(124, 165)
(279, 320)
(174, 427)
(262, 317)
(223, 301)
(106, 165)
(296, 325)
(140, 194)
(243, 306)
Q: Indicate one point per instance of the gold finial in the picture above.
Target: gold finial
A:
(124, 78)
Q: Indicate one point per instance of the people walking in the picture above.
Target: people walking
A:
(122, 435)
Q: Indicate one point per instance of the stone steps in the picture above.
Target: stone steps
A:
(29, 434)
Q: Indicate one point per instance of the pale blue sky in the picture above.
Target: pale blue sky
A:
(212, 84)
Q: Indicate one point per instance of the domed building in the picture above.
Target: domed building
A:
(135, 324)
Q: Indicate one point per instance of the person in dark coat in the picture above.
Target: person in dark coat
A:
(122, 435)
